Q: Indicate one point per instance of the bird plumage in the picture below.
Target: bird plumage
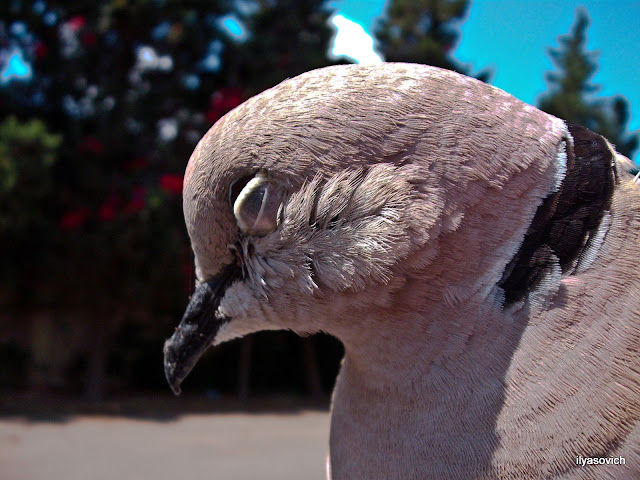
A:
(490, 314)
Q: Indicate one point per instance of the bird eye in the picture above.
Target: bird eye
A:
(236, 188)
(256, 205)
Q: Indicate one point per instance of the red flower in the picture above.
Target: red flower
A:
(213, 116)
(73, 219)
(40, 50)
(222, 101)
(226, 99)
(91, 145)
(107, 212)
(76, 23)
(172, 184)
(138, 200)
(89, 39)
(137, 163)
(109, 208)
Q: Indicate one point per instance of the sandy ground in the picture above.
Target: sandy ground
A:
(192, 447)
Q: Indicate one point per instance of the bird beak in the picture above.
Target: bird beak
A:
(198, 328)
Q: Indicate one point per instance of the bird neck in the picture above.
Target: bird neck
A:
(431, 385)
(408, 350)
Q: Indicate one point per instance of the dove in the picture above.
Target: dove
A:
(477, 258)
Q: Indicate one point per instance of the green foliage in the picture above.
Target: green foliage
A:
(91, 219)
(423, 31)
(132, 85)
(114, 79)
(571, 90)
(28, 152)
(613, 122)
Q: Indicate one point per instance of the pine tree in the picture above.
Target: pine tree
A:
(571, 90)
(614, 119)
(423, 31)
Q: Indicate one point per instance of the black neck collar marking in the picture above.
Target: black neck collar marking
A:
(568, 219)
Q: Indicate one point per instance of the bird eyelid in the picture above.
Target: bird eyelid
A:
(257, 204)
(237, 186)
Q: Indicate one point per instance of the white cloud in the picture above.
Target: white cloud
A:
(352, 41)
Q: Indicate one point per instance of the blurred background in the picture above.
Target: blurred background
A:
(101, 105)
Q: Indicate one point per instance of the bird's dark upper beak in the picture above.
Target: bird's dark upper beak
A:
(198, 328)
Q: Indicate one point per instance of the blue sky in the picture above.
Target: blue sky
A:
(511, 37)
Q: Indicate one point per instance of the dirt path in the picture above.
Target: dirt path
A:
(191, 447)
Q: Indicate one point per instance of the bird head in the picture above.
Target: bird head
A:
(322, 198)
